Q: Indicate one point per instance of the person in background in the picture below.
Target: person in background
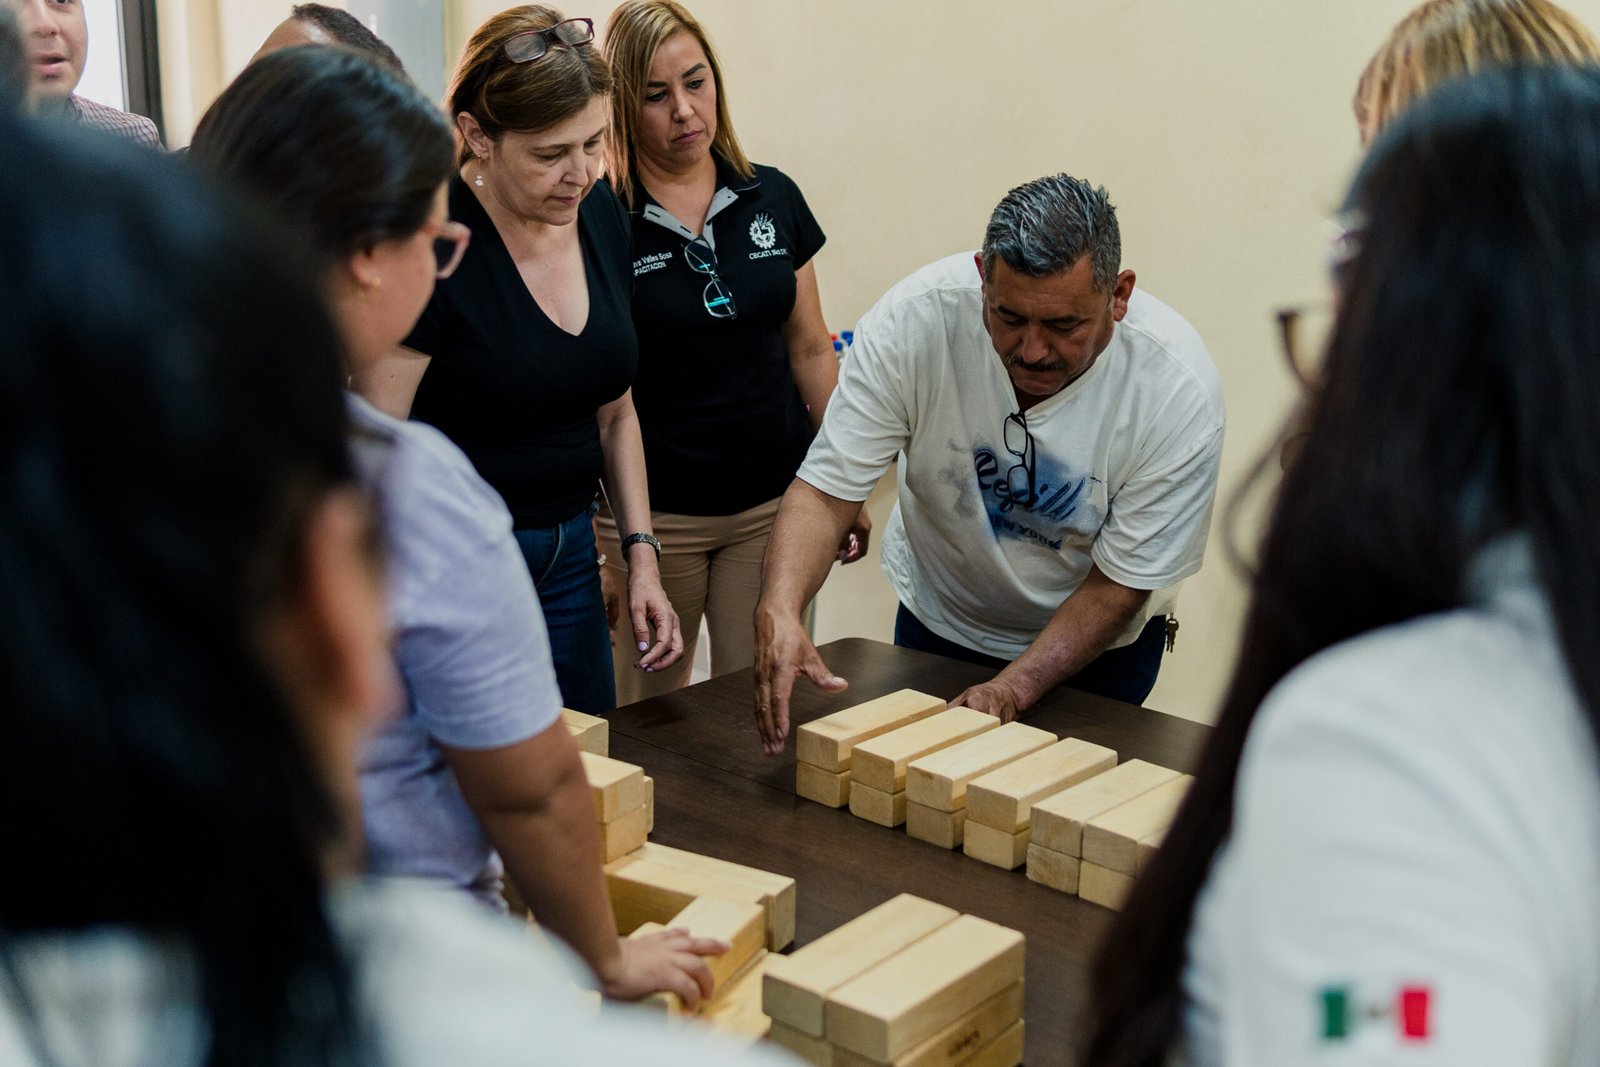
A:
(735, 361)
(1059, 433)
(13, 65)
(321, 24)
(1444, 39)
(1389, 855)
(533, 349)
(57, 36)
(477, 776)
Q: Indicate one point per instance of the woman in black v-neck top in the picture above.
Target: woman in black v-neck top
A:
(532, 342)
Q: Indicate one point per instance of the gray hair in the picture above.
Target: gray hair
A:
(1045, 226)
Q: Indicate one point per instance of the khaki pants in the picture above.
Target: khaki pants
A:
(711, 568)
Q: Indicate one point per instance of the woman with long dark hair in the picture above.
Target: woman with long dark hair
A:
(476, 777)
(1391, 853)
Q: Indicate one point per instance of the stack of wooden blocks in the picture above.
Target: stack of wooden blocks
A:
(878, 764)
(656, 888)
(909, 982)
(936, 784)
(592, 733)
(823, 747)
(1093, 838)
(624, 803)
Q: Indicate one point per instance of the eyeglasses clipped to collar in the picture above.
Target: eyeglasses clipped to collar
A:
(531, 46)
(703, 260)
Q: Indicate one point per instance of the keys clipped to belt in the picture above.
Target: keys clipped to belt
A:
(1172, 632)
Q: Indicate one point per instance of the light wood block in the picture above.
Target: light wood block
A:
(1148, 846)
(1057, 822)
(959, 1041)
(1004, 1051)
(874, 805)
(998, 848)
(939, 779)
(617, 787)
(736, 1012)
(1111, 839)
(1003, 798)
(644, 892)
(906, 999)
(649, 805)
(942, 828)
(592, 733)
(1103, 886)
(827, 742)
(624, 834)
(812, 1050)
(741, 924)
(1054, 869)
(830, 788)
(775, 892)
(797, 985)
(880, 762)
(646, 929)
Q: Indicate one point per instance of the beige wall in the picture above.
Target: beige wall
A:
(1222, 129)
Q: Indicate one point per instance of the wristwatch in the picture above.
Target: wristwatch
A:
(637, 538)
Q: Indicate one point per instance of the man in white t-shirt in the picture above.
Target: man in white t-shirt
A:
(1059, 434)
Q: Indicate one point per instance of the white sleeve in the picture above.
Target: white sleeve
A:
(871, 413)
(1373, 911)
(1160, 518)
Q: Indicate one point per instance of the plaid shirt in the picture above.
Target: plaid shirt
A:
(135, 128)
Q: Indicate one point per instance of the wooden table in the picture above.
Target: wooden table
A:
(716, 793)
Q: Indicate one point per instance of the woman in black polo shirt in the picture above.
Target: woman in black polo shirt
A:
(533, 348)
(735, 362)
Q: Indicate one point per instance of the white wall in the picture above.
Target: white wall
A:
(1222, 130)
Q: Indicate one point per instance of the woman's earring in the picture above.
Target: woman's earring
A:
(478, 181)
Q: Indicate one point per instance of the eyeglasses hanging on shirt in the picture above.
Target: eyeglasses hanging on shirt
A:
(703, 260)
(1019, 479)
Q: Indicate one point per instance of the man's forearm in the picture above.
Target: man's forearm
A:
(805, 537)
(1082, 627)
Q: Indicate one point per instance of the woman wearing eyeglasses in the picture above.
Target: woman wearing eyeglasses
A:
(476, 778)
(736, 364)
(533, 349)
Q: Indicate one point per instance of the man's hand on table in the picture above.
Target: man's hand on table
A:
(997, 697)
(783, 651)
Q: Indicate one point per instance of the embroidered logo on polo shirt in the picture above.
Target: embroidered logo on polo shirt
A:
(763, 232)
(1345, 1010)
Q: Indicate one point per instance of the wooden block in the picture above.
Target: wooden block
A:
(624, 834)
(736, 1012)
(646, 929)
(1111, 839)
(906, 999)
(1057, 822)
(874, 805)
(1003, 798)
(827, 742)
(592, 733)
(998, 848)
(644, 892)
(741, 924)
(1004, 1051)
(942, 828)
(939, 779)
(959, 1041)
(1103, 886)
(880, 762)
(831, 788)
(1054, 869)
(618, 787)
(649, 805)
(1148, 847)
(797, 985)
(812, 1050)
(776, 892)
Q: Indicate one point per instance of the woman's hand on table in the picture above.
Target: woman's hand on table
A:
(672, 961)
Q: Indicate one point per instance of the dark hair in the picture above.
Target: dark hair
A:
(13, 64)
(344, 149)
(1045, 226)
(1468, 331)
(348, 30)
(506, 97)
(169, 411)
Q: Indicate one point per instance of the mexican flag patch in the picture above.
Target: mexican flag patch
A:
(1346, 1010)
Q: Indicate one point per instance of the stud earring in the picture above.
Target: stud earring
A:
(478, 181)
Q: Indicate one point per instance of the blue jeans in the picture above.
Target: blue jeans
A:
(562, 562)
(1126, 674)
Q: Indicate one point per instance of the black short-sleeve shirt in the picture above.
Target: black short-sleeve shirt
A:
(516, 392)
(723, 423)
